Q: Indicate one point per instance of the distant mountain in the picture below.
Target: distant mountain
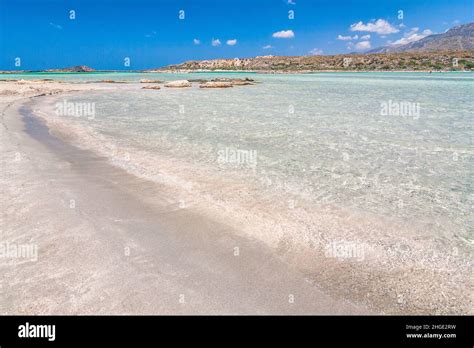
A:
(78, 68)
(460, 38)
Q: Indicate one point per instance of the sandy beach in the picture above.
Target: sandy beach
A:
(123, 248)
(113, 242)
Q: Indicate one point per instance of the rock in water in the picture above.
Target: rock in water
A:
(150, 81)
(235, 82)
(217, 84)
(240, 82)
(178, 84)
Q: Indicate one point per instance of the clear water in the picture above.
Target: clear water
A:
(322, 138)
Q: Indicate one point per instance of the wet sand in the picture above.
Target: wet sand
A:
(111, 243)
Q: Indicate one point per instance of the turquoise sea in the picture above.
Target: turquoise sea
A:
(396, 145)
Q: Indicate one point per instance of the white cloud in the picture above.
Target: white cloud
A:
(284, 34)
(316, 52)
(197, 41)
(380, 26)
(267, 47)
(347, 38)
(411, 36)
(363, 45)
(291, 2)
(365, 37)
(216, 42)
(232, 42)
(412, 31)
(57, 26)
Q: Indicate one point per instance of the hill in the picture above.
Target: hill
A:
(460, 38)
(405, 61)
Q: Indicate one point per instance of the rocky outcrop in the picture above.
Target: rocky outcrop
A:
(110, 81)
(178, 84)
(150, 81)
(151, 87)
(235, 82)
(216, 84)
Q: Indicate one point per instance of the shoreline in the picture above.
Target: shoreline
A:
(302, 258)
(217, 71)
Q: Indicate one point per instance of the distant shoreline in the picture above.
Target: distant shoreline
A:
(441, 61)
(265, 72)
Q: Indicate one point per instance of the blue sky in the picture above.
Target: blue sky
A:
(151, 34)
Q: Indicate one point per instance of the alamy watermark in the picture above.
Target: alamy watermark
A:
(28, 330)
(402, 108)
(344, 250)
(75, 109)
(237, 157)
(19, 251)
